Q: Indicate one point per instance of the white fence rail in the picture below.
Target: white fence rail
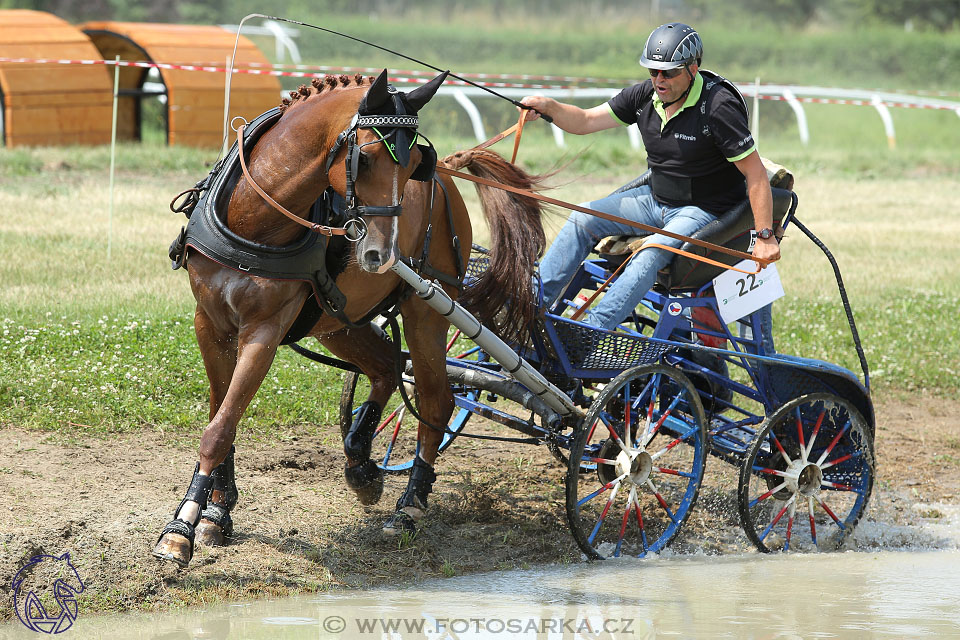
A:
(519, 86)
(794, 96)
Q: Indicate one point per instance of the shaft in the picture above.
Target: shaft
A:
(513, 364)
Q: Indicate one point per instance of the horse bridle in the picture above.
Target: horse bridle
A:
(354, 229)
(392, 124)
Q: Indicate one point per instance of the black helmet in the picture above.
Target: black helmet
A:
(672, 45)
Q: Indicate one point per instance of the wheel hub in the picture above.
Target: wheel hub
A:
(637, 466)
(804, 478)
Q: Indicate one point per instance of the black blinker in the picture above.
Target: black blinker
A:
(428, 164)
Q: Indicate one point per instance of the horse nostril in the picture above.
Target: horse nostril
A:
(372, 258)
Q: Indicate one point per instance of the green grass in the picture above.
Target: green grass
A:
(609, 46)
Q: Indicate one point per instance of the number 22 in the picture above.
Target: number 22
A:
(743, 283)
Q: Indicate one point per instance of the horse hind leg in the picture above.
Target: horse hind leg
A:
(364, 477)
(368, 348)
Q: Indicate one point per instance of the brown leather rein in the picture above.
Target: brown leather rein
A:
(613, 218)
(518, 128)
(316, 228)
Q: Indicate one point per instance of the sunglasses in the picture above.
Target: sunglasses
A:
(669, 74)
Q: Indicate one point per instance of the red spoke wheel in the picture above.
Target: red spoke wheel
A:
(636, 463)
(807, 477)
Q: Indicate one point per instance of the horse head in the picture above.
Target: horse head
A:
(381, 156)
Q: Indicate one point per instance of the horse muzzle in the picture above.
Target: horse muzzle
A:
(377, 260)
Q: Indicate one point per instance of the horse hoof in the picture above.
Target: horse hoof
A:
(215, 525)
(366, 480)
(173, 548)
(209, 534)
(402, 523)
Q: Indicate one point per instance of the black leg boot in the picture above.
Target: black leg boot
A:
(199, 492)
(366, 478)
(413, 503)
(222, 501)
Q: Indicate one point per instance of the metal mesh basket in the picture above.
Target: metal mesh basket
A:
(477, 264)
(588, 348)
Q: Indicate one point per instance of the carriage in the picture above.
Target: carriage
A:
(633, 413)
(670, 388)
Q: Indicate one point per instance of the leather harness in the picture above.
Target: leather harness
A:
(318, 257)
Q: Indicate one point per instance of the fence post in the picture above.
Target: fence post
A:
(755, 129)
(472, 113)
(113, 152)
(884, 112)
(801, 116)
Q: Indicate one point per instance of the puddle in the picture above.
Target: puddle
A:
(886, 594)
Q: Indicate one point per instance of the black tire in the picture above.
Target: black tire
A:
(653, 479)
(812, 457)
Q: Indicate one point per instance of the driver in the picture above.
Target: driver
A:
(702, 157)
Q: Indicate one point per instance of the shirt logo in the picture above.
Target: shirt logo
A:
(683, 136)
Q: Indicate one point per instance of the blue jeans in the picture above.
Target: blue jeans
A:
(582, 232)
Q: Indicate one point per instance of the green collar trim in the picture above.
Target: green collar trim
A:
(692, 98)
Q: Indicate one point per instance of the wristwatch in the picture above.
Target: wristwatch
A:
(765, 234)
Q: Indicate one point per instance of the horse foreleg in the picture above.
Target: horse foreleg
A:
(257, 348)
(219, 352)
(369, 349)
(425, 332)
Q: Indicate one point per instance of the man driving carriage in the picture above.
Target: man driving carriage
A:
(702, 157)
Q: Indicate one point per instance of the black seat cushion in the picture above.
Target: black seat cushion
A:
(731, 230)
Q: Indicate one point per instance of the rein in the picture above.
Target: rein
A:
(353, 230)
(607, 216)
(518, 128)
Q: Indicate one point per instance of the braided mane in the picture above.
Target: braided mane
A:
(319, 85)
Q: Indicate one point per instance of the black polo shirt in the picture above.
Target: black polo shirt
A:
(694, 150)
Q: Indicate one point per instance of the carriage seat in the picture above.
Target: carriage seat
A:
(731, 230)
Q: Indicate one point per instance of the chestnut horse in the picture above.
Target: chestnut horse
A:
(241, 319)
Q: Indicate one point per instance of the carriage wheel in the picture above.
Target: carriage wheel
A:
(636, 463)
(807, 477)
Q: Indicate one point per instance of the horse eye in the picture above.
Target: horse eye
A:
(364, 159)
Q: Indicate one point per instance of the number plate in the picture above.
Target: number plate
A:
(740, 294)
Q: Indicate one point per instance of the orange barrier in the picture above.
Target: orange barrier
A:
(48, 104)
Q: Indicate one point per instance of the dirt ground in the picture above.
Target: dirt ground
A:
(299, 529)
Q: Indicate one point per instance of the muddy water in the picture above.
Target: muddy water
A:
(885, 594)
(903, 583)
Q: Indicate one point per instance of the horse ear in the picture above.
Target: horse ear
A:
(376, 97)
(421, 95)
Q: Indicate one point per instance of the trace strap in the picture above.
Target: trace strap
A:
(316, 228)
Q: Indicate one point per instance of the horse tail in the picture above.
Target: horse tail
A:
(502, 297)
